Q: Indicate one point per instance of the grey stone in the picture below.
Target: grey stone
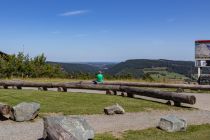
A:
(25, 111)
(115, 109)
(171, 123)
(67, 128)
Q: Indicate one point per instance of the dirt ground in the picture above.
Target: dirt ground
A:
(10, 130)
(102, 123)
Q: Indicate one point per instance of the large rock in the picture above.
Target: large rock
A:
(172, 123)
(115, 109)
(5, 109)
(67, 128)
(25, 111)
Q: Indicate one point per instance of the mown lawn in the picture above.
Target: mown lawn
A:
(76, 103)
(200, 132)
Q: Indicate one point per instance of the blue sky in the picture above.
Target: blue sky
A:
(104, 30)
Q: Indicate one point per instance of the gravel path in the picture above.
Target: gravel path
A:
(142, 120)
(10, 130)
(102, 123)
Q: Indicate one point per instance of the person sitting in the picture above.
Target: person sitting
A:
(99, 78)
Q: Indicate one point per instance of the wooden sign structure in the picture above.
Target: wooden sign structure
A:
(202, 55)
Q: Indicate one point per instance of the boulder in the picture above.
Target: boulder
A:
(67, 128)
(115, 109)
(171, 123)
(5, 110)
(25, 111)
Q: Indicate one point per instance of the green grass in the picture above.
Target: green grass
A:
(199, 132)
(77, 103)
(161, 75)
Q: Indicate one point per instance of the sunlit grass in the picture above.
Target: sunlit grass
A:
(199, 132)
(77, 103)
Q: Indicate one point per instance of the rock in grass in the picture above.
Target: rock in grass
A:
(172, 123)
(67, 128)
(25, 111)
(115, 109)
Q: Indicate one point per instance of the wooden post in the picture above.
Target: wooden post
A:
(64, 89)
(19, 87)
(115, 92)
(44, 88)
(122, 94)
(108, 92)
(130, 94)
(59, 89)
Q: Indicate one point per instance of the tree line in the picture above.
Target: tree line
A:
(21, 65)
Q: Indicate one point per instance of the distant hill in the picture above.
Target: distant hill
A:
(138, 67)
(77, 67)
(102, 65)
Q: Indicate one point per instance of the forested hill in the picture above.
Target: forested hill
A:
(77, 67)
(137, 67)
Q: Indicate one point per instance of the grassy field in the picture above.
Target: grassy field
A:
(161, 74)
(76, 103)
(200, 132)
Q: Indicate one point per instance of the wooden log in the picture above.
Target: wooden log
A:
(25, 84)
(152, 85)
(133, 84)
(178, 98)
(159, 85)
(93, 86)
(117, 87)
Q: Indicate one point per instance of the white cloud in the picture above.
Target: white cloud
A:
(74, 13)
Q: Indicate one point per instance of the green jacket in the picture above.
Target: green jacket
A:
(100, 78)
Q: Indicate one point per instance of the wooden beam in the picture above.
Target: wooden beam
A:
(176, 97)
(182, 98)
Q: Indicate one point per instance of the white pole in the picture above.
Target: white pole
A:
(199, 72)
